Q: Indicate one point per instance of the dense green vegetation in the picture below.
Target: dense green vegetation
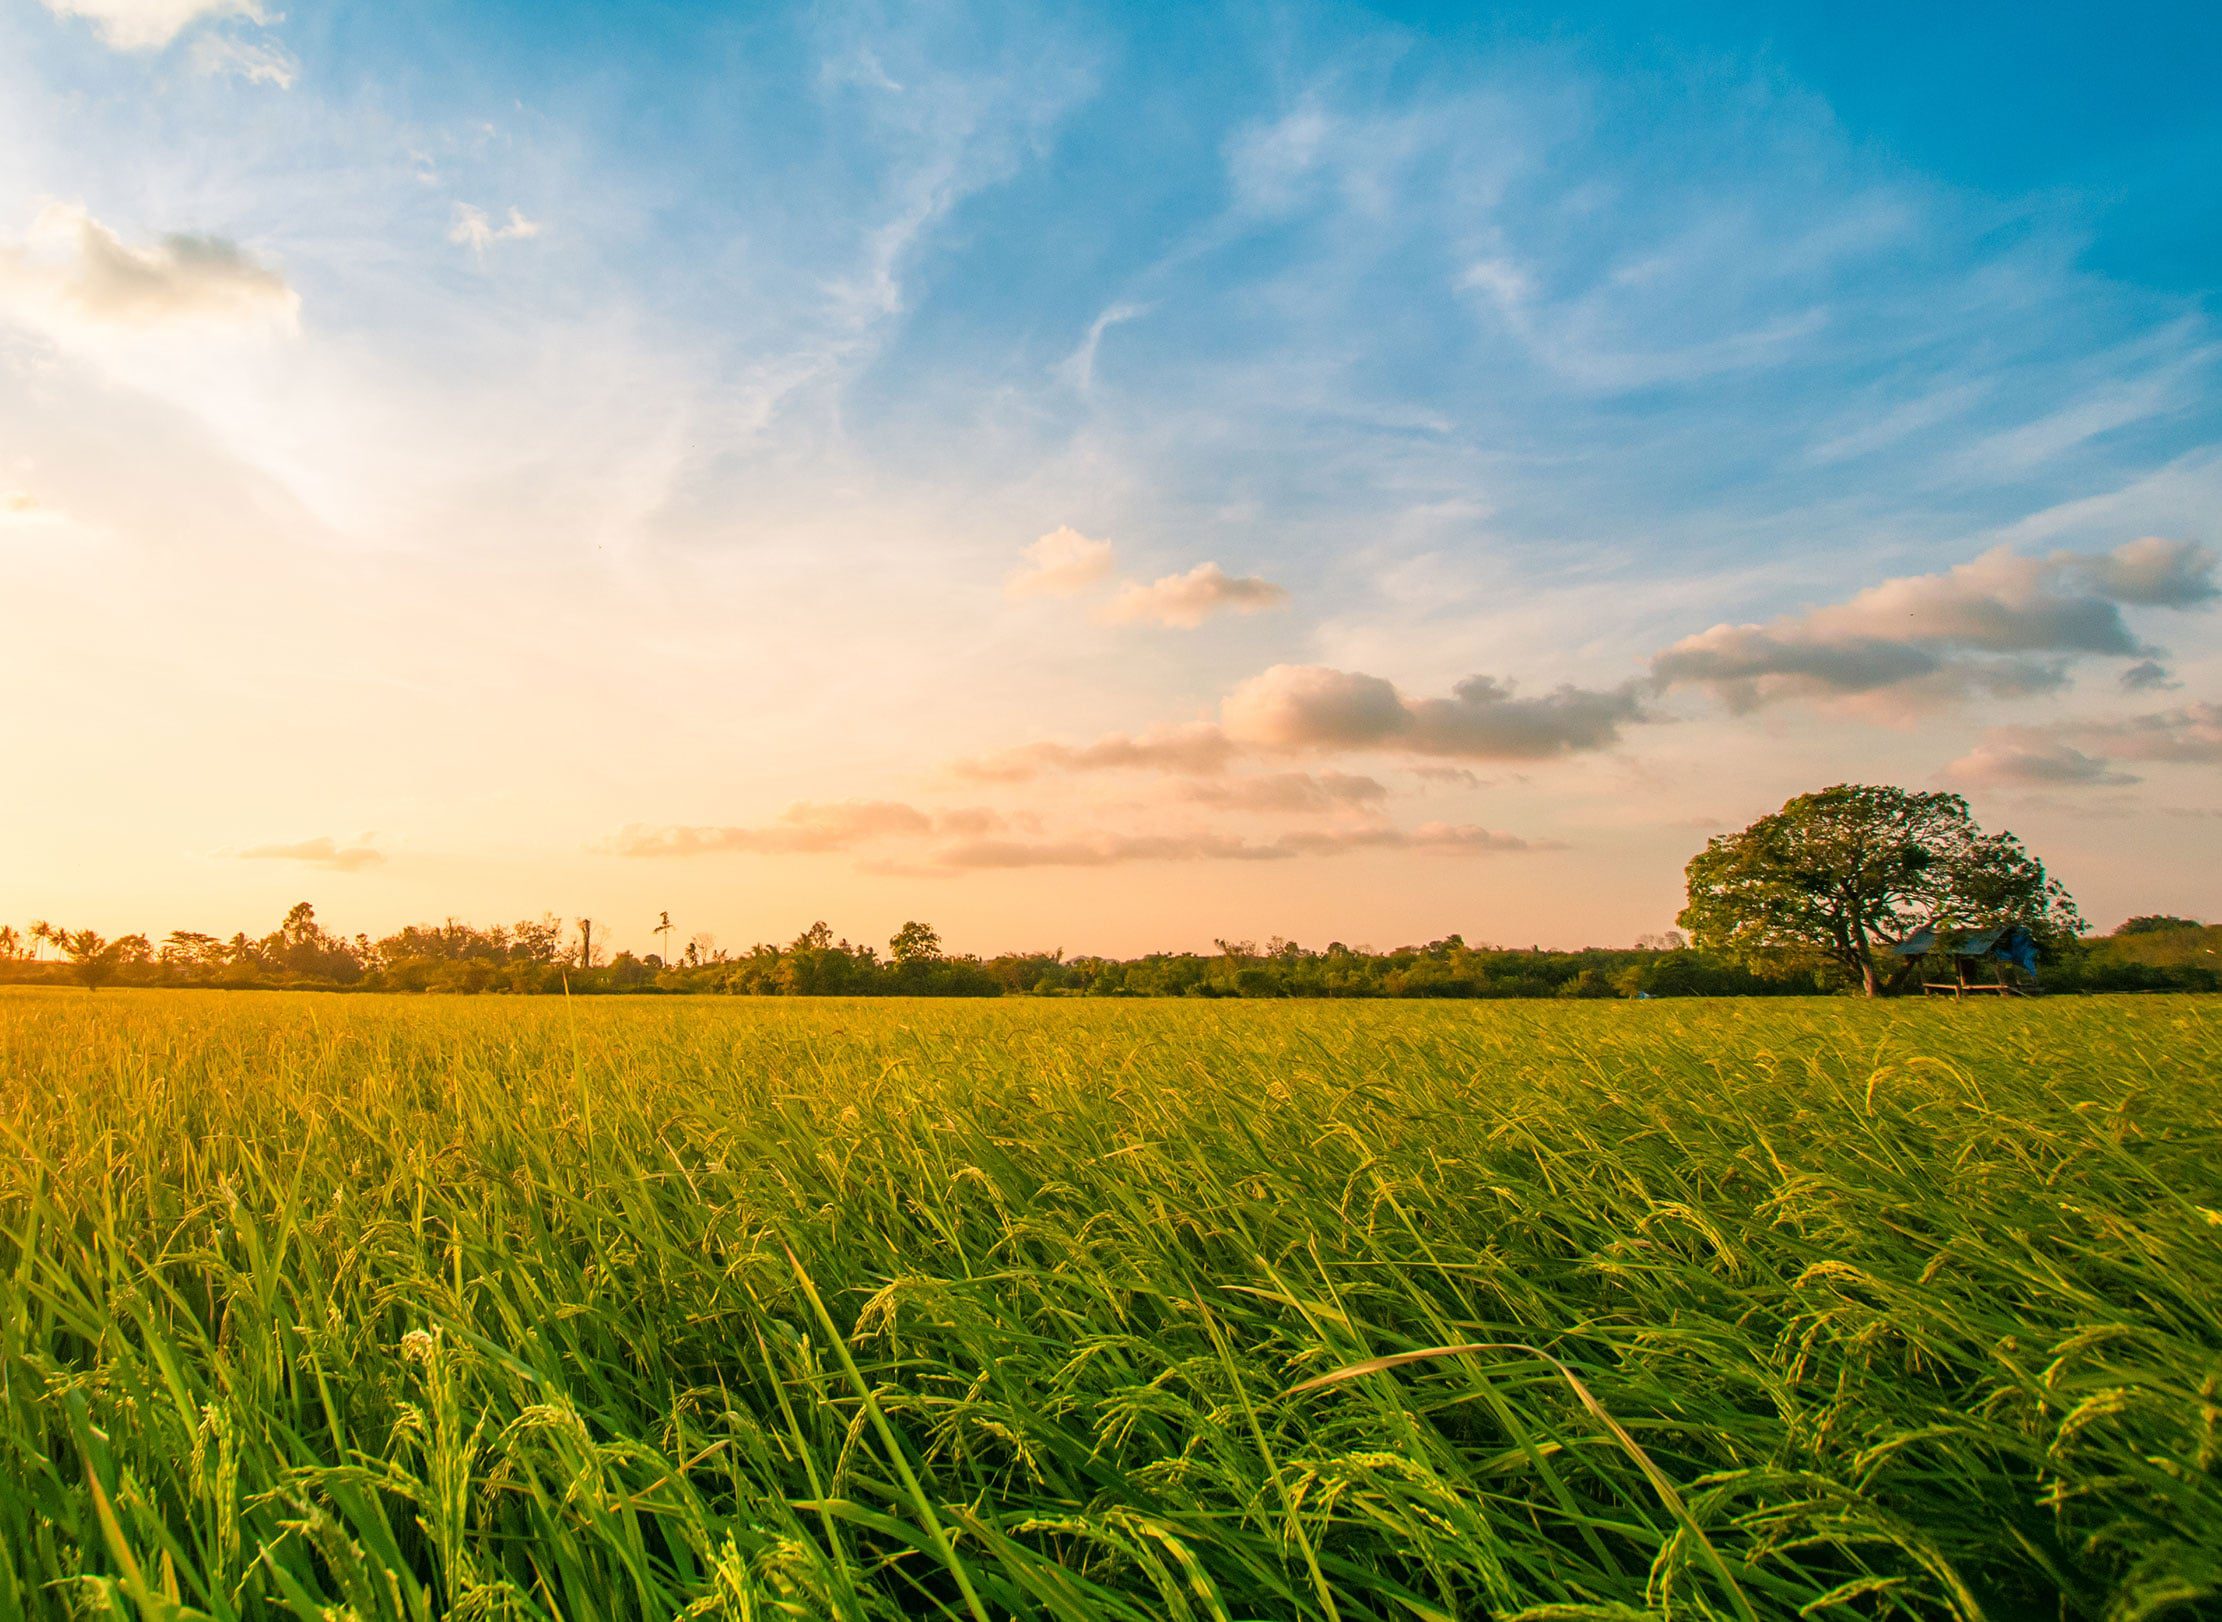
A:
(374, 1307)
(542, 956)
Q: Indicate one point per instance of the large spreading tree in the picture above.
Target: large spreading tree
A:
(1839, 877)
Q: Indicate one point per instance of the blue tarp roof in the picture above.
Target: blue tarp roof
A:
(2012, 944)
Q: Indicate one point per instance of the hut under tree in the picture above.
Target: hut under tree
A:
(2010, 947)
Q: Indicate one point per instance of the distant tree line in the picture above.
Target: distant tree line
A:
(549, 956)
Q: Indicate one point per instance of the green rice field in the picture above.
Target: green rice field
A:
(363, 1307)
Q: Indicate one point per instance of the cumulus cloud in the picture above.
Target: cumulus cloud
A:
(1289, 791)
(2149, 676)
(473, 230)
(1198, 747)
(321, 851)
(1314, 708)
(1063, 563)
(2003, 623)
(1187, 600)
(74, 271)
(148, 25)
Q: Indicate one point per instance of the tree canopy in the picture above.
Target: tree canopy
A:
(1837, 877)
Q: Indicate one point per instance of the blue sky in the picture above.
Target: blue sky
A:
(734, 359)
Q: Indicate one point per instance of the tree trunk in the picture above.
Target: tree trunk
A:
(1865, 950)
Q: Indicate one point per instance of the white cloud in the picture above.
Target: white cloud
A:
(1187, 600)
(1063, 563)
(72, 272)
(473, 230)
(149, 25)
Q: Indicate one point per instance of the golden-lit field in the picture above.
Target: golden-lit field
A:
(368, 1307)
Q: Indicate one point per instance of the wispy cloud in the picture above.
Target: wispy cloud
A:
(1079, 367)
(322, 851)
(1304, 792)
(1187, 748)
(474, 230)
(256, 61)
(1116, 850)
(1187, 600)
(804, 829)
(895, 836)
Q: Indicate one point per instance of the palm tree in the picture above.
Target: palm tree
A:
(663, 933)
(41, 933)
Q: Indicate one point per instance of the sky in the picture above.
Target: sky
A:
(1104, 479)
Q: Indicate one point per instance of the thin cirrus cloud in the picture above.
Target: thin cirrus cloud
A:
(73, 272)
(1304, 792)
(2004, 623)
(256, 61)
(322, 851)
(1185, 601)
(1113, 850)
(1063, 563)
(149, 25)
(804, 829)
(1193, 748)
(896, 836)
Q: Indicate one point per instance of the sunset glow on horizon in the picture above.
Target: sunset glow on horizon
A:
(1102, 479)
